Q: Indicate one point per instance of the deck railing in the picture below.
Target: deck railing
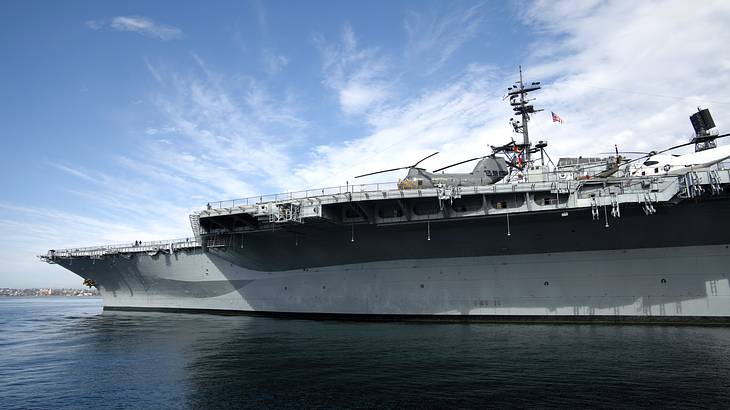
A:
(309, 193)
(149, 246)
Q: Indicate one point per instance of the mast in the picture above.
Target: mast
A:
(520, 105)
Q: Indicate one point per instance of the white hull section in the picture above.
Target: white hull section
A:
(660, 282)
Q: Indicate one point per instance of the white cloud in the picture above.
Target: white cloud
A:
(435, 36)
(626, 72)
(359, 76)
(31, 230)
(137, 24)
(619, 72)
(459, 118)
(228, 134)
(273, 62)
(153, 70)
(72, 171)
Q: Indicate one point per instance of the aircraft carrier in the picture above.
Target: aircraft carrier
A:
(601, 239)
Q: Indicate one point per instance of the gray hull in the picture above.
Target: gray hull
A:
(673, 284)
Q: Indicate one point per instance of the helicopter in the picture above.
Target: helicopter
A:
(706, 153)
(488, 170)
(667, 164)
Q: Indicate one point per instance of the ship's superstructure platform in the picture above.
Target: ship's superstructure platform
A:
(385, 203)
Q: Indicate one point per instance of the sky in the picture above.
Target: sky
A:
(118, 119)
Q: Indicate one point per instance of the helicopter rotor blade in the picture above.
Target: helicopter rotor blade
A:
(652, 153)
(712, 138)
(425, 158)
(458, 163)
(380, 172)
(623, 152)
(396, 169)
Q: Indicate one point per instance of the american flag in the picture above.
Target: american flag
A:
(556, 118)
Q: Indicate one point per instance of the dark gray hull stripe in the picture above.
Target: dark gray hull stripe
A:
(535, 319)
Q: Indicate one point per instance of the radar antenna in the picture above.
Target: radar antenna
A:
(520, 105)
(702, 122)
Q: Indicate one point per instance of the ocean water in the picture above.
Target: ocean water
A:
(66, 353)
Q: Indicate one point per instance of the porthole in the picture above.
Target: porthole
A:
(546, 283)
(664, 280)
(421, 285)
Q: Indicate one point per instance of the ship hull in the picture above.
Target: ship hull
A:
(668, 284)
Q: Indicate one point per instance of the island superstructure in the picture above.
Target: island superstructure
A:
(518, 238)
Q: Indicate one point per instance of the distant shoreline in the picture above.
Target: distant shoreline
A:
(51, 296)
(46, 292)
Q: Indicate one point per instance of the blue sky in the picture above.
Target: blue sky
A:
(118, 119)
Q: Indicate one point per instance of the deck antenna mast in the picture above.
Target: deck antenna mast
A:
(520, 105)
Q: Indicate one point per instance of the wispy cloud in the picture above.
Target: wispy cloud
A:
(359, 76)
(72, 171)
(611, 68)
(137, 24)
(462, 113)
(436, 35)
(230, 134)
(153, 71)
(30, 230)
(273, 61)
